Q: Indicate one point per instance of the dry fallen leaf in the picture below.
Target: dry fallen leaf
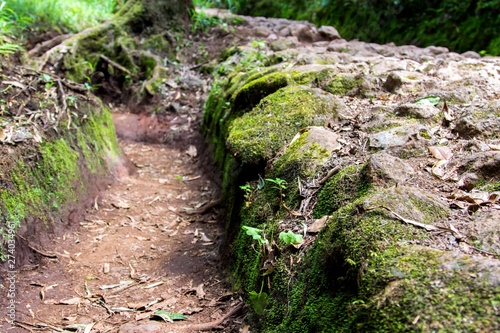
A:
(200, 292)
(318, 224)
(441, 152)
(192, 151)
(439, 169)
(70, 301)
(118, 203)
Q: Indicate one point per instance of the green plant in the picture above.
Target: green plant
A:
(280, 185)
(257, 234)
(290, 237)
(259, 300)
(201, 21)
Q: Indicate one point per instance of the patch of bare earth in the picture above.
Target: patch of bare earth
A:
(149, 244)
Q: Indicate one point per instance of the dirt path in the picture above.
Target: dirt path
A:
(139, 250)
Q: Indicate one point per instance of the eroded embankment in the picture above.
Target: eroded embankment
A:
(380, 163)
(58, 147)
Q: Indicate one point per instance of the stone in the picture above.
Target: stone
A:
(484, 164)
(304, 33)
(386, 168)
(329, 33)
(409, 202)
(485, 230)
(307, 152)
(282, 44)
(471, 54)
(395, 137)
(416, 111)
(262, 31)
(392, 82)
(435, 50)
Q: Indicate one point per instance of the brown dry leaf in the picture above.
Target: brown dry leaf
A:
(142, 315)
(494, 197)
(191, 311)
(118, 203)
(192, 151)
(439, 169)
(476, 198)
(70, 301)
(441, 152)
(204, 237)
(200, 293)
(447, 113)
(318, 224)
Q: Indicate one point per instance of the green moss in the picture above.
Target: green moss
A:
(300, 159)
(338, 84)
(261, 85)
(349, 184)
(428, 284)
(383, 127)
(259, 134)
(489, 186)
(60, 171)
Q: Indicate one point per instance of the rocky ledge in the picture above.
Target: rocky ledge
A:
(382, 165)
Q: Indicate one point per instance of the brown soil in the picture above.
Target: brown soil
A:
(139, 234)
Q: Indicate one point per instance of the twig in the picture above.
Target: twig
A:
(198, 66)
(484, 252)
(115, 64)
(330, 173)
(211, 325)
(427, 227)
(22, 325)
(38, 325)
(204, 209)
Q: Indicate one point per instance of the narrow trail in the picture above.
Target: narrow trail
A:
(138, 250)
(148, 244)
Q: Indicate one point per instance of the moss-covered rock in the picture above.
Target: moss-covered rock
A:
(259, 134)
(373, 266)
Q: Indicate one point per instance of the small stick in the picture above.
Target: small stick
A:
(115, 64)
(330, 173)
(204, 209)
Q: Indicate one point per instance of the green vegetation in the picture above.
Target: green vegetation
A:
(65, 15)
(458, 25)
(21, 18)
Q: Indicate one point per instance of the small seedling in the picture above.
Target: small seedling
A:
(256, 234)
(290, 237)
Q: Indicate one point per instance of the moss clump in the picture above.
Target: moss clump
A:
(489, 186)
(300, 159)
(259, 134)
(339, 84)
(349, 184)
(428, 291)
